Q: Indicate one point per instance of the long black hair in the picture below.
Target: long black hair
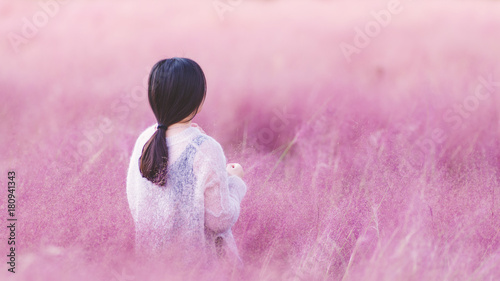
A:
(176, 89)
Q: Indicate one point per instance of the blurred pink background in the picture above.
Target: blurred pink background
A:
(369, 132)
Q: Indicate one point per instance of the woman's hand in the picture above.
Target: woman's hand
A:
(235, 169)
(199, 128)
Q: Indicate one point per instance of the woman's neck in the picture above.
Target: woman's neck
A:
(176, 128)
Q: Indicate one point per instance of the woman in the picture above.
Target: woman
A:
(183, 197)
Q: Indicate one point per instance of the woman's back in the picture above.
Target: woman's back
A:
(200, 202)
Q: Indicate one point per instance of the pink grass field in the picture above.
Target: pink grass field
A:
(383, 166)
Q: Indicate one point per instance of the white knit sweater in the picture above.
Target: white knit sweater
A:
(200, 202)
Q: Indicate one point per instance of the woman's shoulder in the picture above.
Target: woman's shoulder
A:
(206, 144)
(144, 136)
(209, 147)
(148, 132)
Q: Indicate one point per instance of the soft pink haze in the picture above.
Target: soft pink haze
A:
(381, 165)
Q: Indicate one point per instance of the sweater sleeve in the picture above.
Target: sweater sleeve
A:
(222, 193)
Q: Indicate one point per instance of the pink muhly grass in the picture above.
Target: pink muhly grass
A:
(352, 185)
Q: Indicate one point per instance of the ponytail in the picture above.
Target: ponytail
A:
(154, 158)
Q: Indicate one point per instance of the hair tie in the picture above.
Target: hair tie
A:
(161, 126)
